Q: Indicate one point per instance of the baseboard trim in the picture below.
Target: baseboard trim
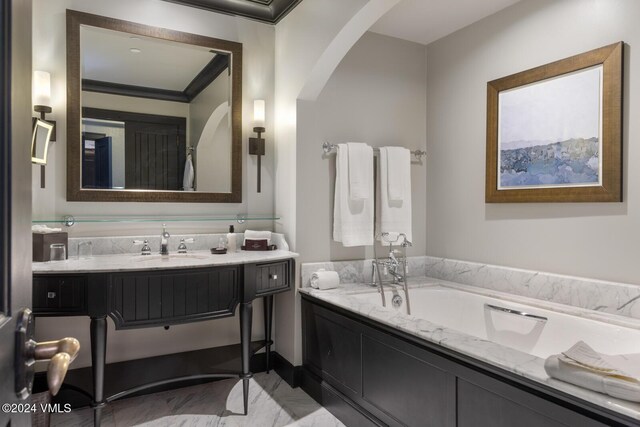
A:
(291, 374)
(335, 402)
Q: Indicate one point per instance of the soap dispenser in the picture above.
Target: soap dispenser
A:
(231, 240)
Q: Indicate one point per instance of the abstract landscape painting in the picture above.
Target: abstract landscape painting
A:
(550, 132)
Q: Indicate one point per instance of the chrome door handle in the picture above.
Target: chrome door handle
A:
(516, 312)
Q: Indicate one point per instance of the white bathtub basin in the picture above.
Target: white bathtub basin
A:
(467, 312)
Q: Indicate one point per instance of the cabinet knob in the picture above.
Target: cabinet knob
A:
(273, 276)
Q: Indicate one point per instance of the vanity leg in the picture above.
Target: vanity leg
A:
(98, 360)
(246, 313)
(268, 320)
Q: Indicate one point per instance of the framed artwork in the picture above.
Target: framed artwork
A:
(554, 133)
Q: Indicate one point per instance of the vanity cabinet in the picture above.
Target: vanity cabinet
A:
(163, 297)
(369, 374)
(60, 295)
(144, 299)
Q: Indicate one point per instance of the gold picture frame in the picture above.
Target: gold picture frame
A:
(541, 122)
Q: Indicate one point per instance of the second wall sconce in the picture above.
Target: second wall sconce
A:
(257, 145)
(44, 131)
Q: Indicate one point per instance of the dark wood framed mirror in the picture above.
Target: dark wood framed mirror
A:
(153, 115)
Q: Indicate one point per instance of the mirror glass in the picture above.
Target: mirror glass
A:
(153, 115)
(40, 141)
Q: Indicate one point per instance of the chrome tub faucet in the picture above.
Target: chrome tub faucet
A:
(396, 260)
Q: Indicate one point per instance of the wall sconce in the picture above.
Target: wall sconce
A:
(42, 97)
(257, 145)
(41, 88)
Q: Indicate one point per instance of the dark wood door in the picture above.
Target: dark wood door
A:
(103, 166)
(15, 194)
(155, 155)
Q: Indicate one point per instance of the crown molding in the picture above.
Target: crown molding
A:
(269, 11)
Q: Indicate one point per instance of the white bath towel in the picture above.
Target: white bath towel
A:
(189, 175)
(360, 170)
(352, 219)
(617, 376)
(394, 216)
(323, 280)
(257, 235)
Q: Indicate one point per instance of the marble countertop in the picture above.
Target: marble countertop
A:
(526, 365)
(130, 262)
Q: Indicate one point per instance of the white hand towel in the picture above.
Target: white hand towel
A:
(399, 167)
(394, 216)
(324, 280)
(360, 170)
(257, 235)
(189, 175)
(352, 219)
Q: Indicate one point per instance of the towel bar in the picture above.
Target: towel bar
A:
(329, 148)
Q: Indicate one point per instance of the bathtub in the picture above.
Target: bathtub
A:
(533, 330)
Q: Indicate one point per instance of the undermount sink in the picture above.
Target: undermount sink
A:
(171, 257)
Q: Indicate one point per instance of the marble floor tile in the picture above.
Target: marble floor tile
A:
(271, 403)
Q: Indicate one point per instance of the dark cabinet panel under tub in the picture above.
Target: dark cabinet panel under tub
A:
(333, 351)
(377, 375)
(143, 299)
(398, 389)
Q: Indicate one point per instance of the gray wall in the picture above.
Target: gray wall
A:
(594, 240)
(376, 95)
(49, 54)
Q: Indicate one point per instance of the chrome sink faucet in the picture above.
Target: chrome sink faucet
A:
(164, 240)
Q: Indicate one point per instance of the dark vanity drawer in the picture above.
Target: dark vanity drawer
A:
(172, 297)
(272, 277)
(59, 294)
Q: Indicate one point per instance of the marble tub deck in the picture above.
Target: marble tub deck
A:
(271, 403)
(526, 365)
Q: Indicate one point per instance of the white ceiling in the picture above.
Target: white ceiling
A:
(424, 21)
(162, 64)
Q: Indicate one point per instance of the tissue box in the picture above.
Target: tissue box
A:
(42, 244)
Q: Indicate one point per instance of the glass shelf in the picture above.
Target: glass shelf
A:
(69, 220)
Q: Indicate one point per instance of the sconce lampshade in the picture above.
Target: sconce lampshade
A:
(41, 90)
(258, 113)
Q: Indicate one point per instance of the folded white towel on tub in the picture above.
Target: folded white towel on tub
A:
(617, 376)
(323, 280)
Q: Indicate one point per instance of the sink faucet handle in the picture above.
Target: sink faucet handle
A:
(146, 249)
